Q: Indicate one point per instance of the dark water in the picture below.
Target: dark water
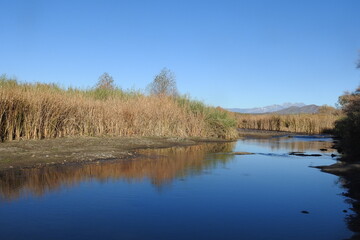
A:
(198, 192)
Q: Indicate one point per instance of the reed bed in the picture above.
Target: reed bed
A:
(298, 123)
(37, 111)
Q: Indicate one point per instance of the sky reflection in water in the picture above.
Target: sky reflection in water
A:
(181, 193)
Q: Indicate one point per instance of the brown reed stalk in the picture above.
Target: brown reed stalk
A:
(37, 111)
(299, 123)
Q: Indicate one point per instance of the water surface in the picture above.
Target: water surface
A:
(197, 192)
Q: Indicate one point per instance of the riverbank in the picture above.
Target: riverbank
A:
(76, 150)
(255, 133)
(73, 150)
(349, 177)
(46, 111)
(209, 181)
(307, 123)
(342, 168)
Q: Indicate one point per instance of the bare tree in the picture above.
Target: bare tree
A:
(105, 82)
(164, 84)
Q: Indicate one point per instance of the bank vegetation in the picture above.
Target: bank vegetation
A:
(348, 127)
(38, 110)
(316, 123)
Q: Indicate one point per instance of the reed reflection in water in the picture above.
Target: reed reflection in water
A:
(160, 166)
(223, 196)
(294, 144)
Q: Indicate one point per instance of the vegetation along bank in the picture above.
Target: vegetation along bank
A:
(38, 111)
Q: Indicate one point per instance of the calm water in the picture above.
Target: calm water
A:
(198, 192)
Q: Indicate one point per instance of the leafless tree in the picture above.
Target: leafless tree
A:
(164, 84)
(105, 82)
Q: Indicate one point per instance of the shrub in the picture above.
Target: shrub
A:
(348, 127)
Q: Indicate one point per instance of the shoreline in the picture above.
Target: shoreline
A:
(341, 168)
(78, 150)
(255, 133)
(20, 154)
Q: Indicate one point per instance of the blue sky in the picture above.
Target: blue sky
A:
(226, 53)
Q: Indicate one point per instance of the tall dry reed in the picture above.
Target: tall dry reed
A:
(36, 111)
(299, 123)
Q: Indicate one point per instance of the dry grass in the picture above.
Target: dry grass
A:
(37, 111)
(299, 123)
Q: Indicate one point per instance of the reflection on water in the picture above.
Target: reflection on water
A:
(213, 195)
(351, 183)
(294, 144)
(161, 166)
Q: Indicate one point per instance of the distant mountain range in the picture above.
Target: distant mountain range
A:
(286, 108)
(305, 109)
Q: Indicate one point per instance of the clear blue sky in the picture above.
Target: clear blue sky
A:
(227, 53)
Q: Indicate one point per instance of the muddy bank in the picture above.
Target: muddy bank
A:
(254, 133)
(70, 150)
(349, 178)
(161, 166)
(30, 153)
(341, 168)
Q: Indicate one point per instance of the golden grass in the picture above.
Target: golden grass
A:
(37, 111)
(299, 123)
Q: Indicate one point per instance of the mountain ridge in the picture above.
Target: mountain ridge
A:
(312, 108)
(266, 109)
(286, 108)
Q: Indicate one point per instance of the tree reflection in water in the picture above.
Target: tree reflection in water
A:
(160, 166)
(351, 183)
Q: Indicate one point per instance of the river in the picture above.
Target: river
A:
(197, 192)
